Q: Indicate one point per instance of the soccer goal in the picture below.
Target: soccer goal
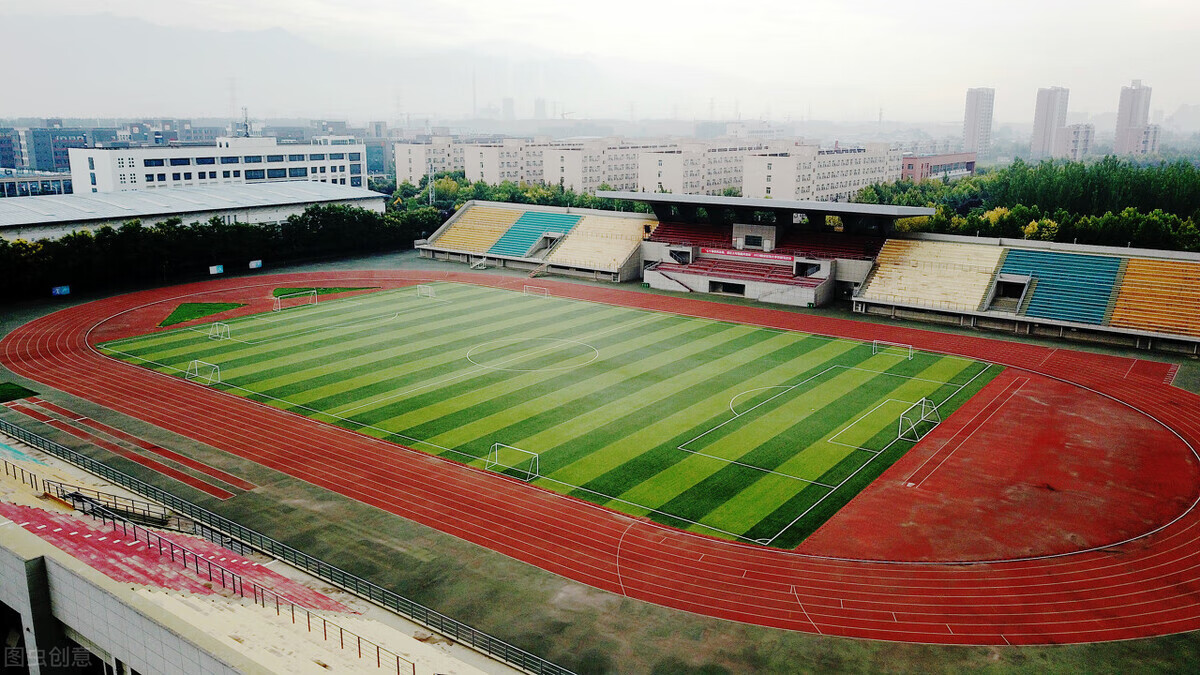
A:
(897, 348)
(203, 372)
(918, 420)
(426, 291)
(218, 331)
(504, 458)
(538, 291)
(296, 299)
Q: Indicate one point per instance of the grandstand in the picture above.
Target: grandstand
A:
(1161, 296)
(543, 239)
(935, 274)
(1137, 297)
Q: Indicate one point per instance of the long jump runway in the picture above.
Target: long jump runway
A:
(1142, 586)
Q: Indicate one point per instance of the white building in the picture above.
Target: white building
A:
(232, 161)
(1049, 121)
(52, 216)
(706, 168)
(414, 160)
(1134, 135)
(1074, 142)
(808, 172)
(977, 121)
(585, 166)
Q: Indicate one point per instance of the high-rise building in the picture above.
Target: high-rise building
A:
(1074, 142)
(1049, 120)
(1134, 136)
(977, 122)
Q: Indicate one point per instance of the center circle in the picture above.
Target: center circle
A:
(499, 354)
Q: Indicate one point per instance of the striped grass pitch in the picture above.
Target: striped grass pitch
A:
(735, 431)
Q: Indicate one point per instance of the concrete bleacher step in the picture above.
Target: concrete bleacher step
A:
(1112, 298)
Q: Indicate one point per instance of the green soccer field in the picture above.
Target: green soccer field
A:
(740, 432)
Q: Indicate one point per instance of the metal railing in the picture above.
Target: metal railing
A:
(434, 620)
(26, 477)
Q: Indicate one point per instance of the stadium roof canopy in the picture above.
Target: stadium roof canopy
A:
(108, 206)
(683, 207)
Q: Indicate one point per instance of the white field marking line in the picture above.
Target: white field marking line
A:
(1047, 357)
(970, 421)
(748, 391)
(619, 543)
(859, 419)
(1127, 372)
(1010, 396)
(595, 355)
(478, 369)
(868, 462)
(814, 623)
(756, 468)
(288, 336)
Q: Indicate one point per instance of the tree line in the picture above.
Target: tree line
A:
(1112, 202)
(135, 254)
(452, 189)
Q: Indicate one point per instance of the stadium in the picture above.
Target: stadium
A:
(696, 442)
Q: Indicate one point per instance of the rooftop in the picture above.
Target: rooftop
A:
(51, 209)
(835, 208)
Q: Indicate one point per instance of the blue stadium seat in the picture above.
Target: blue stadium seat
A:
(1070, 286)
(528, 229)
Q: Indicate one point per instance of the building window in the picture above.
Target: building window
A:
(212, 174)
(162, 177)
(298, 172)
(175, 176)
(149, 178)
(355, 169)
(276, 173)
(181, 161)
(253, 159)
(255, 174)
(224, 174)
(322, 169)
(206, 160)
(768, 190)
(152, 162)
(274, 158)
(337, 155)
(355, 156)
(316, 158)
(356, 181)
(91, 163)
(93, 179)
(187, 176)
(295, 158)
(237, 174)
(229, 160)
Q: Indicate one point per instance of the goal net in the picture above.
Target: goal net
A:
(513, 461)
(897, 348)
(297, 299)
(218, 331)
(426, 291)
(538, 291)
(203, 372)
(918, 420)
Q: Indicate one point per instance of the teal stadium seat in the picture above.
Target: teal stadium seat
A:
(1070, 286)
(528, 229)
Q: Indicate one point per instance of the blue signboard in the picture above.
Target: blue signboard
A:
(216, 269)
(60, 290)
(255, 264)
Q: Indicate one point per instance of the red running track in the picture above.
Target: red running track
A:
(1143, 587)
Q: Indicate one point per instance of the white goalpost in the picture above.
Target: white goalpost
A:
(426, 291)
(897, 348)
(203, 372)
(918, 420)
(218, 331)
(504, 457)
(537, 290)
(309, 297)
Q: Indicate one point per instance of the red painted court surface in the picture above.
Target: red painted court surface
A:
(1072, 473)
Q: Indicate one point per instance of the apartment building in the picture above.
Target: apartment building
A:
(1049, 121)
(328, 159)
(808, 172)
(708, 168)
(977, 121)
(1074, 142)
(414, 160)
(1134, 135)
(584, 166)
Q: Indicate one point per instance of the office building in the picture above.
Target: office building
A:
(23, 183)
(917, 168)
(328, 159)
(1049, 120)
(977, 121)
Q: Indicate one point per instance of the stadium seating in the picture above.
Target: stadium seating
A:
(934, 274)
(1159, 295)
(477, 228)
(1069, 286)
(828, 245)
(528, 229)
(741, 271)
(698, 234)
(600, 242)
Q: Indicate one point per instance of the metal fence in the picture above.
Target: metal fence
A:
(435, 621)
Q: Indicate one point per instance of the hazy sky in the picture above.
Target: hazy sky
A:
(828, 59)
